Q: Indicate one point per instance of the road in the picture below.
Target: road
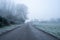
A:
(26, 32)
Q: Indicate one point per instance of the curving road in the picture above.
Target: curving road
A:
(26, 32)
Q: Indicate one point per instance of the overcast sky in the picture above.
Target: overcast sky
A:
(42, 9)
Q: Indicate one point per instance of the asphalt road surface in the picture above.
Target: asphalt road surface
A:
(26, 32)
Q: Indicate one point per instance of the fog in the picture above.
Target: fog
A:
(41, 9)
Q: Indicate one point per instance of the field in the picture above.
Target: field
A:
(52, 28)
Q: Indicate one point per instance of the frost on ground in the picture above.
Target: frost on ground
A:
(52, 28)
(8, 28)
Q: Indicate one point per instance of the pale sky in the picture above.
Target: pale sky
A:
(42, 9)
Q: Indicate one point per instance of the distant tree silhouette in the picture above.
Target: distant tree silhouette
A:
(11, 13)
(58, 20)
(3, 22)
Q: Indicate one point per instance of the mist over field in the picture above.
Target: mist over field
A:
(39, 9)
(42, 9)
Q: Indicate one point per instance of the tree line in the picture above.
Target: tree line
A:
(11, 13)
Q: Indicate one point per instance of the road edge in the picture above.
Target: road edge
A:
(10, 30)
(47, 33)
